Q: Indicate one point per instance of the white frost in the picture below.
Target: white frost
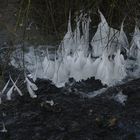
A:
(121, 98)
(96, 93)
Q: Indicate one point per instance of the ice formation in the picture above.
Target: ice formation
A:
(133, 63)
(105, 69)
(31, 87)
(119, 66)
(74, 60)
(121, 98)
(107, 37)
(10, 91)
(135, 45)
(68, 42)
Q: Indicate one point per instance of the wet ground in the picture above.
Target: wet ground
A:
(73, 116)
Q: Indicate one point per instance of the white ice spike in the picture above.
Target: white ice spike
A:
(17, 89)
(5, 87)
(31, 87)
(9, 93)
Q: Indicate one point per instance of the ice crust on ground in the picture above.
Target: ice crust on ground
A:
(74, 60)
(121, 98)
(96, 93)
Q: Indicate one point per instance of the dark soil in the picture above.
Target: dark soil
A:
(73, 117)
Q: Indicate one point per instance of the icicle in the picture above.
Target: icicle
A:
(122, 39)
(60, 75)
(88, 70)
(31, 92)
(36, 71)
(101, 37)
(119, 67)
(9, 93)
(48, 66)
(73, 57)
(67, 42)
(18, 90)
(105, 70)
(3, 90)
(77, 34)
(84, 41)
(103, 20)
(110, 71)
(5, 87)
(77, 66)
(31, 87)
(135, 52)
(45, 64)
(69, 23)
(106, 37)
(87, 30)
(137, 39)
(103, 27)
(134, 49)
(4, 130)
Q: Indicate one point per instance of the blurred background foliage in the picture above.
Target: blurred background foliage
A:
(46, 20)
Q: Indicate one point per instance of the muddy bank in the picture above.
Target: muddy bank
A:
(72, 117)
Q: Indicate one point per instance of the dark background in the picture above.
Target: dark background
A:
(51, 16)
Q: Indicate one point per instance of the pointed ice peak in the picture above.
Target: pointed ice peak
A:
(122, 39)
(31, 87)
(68, 35)
(103, 20)
(4, 130)
(122, 25)
(10, 91)
(69, 23)
(16, 88)
(136, 31)
(136, 37)
(119, 67)
(134, 49)
(77, 35)
(85, 29)
(79, 18)
(5, 87)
